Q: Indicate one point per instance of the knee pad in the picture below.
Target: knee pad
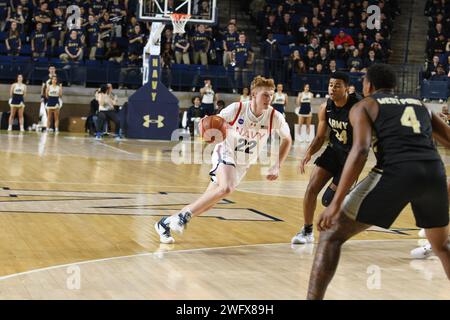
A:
(327, 196)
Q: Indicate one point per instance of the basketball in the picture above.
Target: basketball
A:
(213, 122)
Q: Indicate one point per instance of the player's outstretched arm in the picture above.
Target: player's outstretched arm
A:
(285, 147)
(318, 140)
(441, 131)
(362, 138)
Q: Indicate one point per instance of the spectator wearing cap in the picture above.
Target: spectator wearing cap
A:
(326, 38)
(343, 38)
(201, 43)
(38, 42)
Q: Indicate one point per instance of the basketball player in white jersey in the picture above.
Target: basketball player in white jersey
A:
(54, 103)
(304, 113)
(17, 102)
(280, 99)
(250, 125)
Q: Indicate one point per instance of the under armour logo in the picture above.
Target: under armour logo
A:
(148, 121)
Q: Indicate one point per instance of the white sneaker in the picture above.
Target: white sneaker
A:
(422, 252)
(162, 228)
(50, 130)
(422, 233)
(22, 129)
(10, 128)
(178, 222)
(303, 238)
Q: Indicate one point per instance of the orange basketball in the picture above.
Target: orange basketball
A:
(213, 129)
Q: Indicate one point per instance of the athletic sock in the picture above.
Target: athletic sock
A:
(308, 228)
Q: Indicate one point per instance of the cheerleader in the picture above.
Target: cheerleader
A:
(304, 110)
(280, 99)
(17, 101)
(54, 103)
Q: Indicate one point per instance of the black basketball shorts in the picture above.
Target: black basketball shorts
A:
(332, 160)
(382, 195)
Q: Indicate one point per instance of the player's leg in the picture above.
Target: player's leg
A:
(226, 182)
(439, 241)
(328, 253)
(20, 112)
(317, 181)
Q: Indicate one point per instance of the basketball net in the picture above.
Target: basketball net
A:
(179, 21)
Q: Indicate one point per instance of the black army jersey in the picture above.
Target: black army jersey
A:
(402, 130)
(341, 134)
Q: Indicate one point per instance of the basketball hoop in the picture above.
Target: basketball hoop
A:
(179, 21)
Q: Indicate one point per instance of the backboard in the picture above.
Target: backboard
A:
(201, 11)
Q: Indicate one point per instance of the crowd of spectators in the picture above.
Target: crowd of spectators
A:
(318, 37)
(438, 40)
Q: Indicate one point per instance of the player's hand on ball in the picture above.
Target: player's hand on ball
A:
(304, 162)
(328, 217)
(273, 173)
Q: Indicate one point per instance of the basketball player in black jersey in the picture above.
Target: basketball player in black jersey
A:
(408, 170)
(333, 114)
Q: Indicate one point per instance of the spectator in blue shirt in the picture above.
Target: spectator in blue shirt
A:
(98, 8)
(201, 43)
(92, 37)
(13, 42)
(58, 28)
(38, 42)
(230, 39)
(43, 15)
(182, 48)
(17, 17)
(106, 27)
(73, 50)
(242, 59)
(135, 44)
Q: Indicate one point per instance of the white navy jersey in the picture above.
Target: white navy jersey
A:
(247, 134)
(306, 97)
(53, 91)
(279, 98)
(19, 89)
(208, 96)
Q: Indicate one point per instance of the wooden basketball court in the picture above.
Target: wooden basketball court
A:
(77, 220)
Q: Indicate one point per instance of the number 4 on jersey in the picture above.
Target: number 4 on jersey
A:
(409, 119)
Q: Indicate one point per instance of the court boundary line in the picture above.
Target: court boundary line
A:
(148, 254)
